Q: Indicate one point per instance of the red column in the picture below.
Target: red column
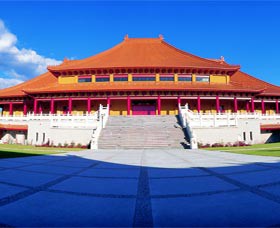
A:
(70, 105)
(24, 108)
(52, 106)
(10, 108)
(88, 105)
(35, 106)
(252, 105)
(217, 104)
(179, 101)
(128, 105)
(235, 105)
(108, 104)
(198, 104)
(247, 106)
(159, 105)
(277, 106)
(40, 108)
(263, 107)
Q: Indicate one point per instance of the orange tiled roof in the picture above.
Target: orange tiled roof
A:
(242, 78)
(37, 82)
(14, 127)
(143, 52)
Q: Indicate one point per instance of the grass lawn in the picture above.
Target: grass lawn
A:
(12, 151)
(271, 149)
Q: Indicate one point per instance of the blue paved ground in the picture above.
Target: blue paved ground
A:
(144, 188)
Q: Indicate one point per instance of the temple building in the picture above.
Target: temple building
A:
(141, 76)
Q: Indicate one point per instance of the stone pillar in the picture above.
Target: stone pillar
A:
(263, 107)
(70, 105)
(10, 108)
(198, 104)
(88, 105)
(52, 106)
(235, 105)
(128, 105)
(252, 105)
(158, 105)
(277, 106)
(217, 104)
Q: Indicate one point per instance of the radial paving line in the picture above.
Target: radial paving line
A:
(143, 209)
(13, 198)
(239, 184)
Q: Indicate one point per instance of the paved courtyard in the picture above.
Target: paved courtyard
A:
(142, 188)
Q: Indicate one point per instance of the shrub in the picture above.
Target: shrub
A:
(65, 144)
(72, 144)
(59, 145)
(79, 145)
(218, 145)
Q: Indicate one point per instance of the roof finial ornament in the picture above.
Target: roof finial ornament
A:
(222, 58)
(160, 36)
(126, 37)
(65, 59)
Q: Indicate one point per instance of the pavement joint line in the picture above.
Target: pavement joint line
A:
(143, 208)
(241, 185)
(268, 184)
(198, 194)
(249, 171)
(96, 195)
(21, 195)
(14, 185)
(29, 164)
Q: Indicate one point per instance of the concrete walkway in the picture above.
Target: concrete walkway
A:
(143, 188)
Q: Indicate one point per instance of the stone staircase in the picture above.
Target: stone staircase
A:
(129, 132)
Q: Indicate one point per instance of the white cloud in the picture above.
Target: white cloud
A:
(7, 82)
(19, 64)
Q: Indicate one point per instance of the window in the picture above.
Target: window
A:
(244, 136)
(251, 135)
(184, 77)
(121, 78)
(144, 78)
(84, 78)
(202, 78)
(166, 77)
(102, 79)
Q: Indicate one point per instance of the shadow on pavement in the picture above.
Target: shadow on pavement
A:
(76, 191)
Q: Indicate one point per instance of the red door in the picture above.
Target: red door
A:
(143, 110)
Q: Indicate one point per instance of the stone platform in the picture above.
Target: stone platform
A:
(140, 188)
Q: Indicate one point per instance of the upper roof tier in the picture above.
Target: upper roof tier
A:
(141, 53)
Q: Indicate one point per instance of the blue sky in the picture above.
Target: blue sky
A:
(43, 33)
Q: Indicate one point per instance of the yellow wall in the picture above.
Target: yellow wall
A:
(157, 78)
(218, 79)
(111, 78)
(193, 77)
(175, 77)
(169, 107)
(93, 78)
(118, 107)
(67, 79)
(130, 77)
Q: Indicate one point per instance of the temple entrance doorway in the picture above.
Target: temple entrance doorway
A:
(143, 107)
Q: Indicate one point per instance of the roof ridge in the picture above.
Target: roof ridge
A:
(191, 55)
